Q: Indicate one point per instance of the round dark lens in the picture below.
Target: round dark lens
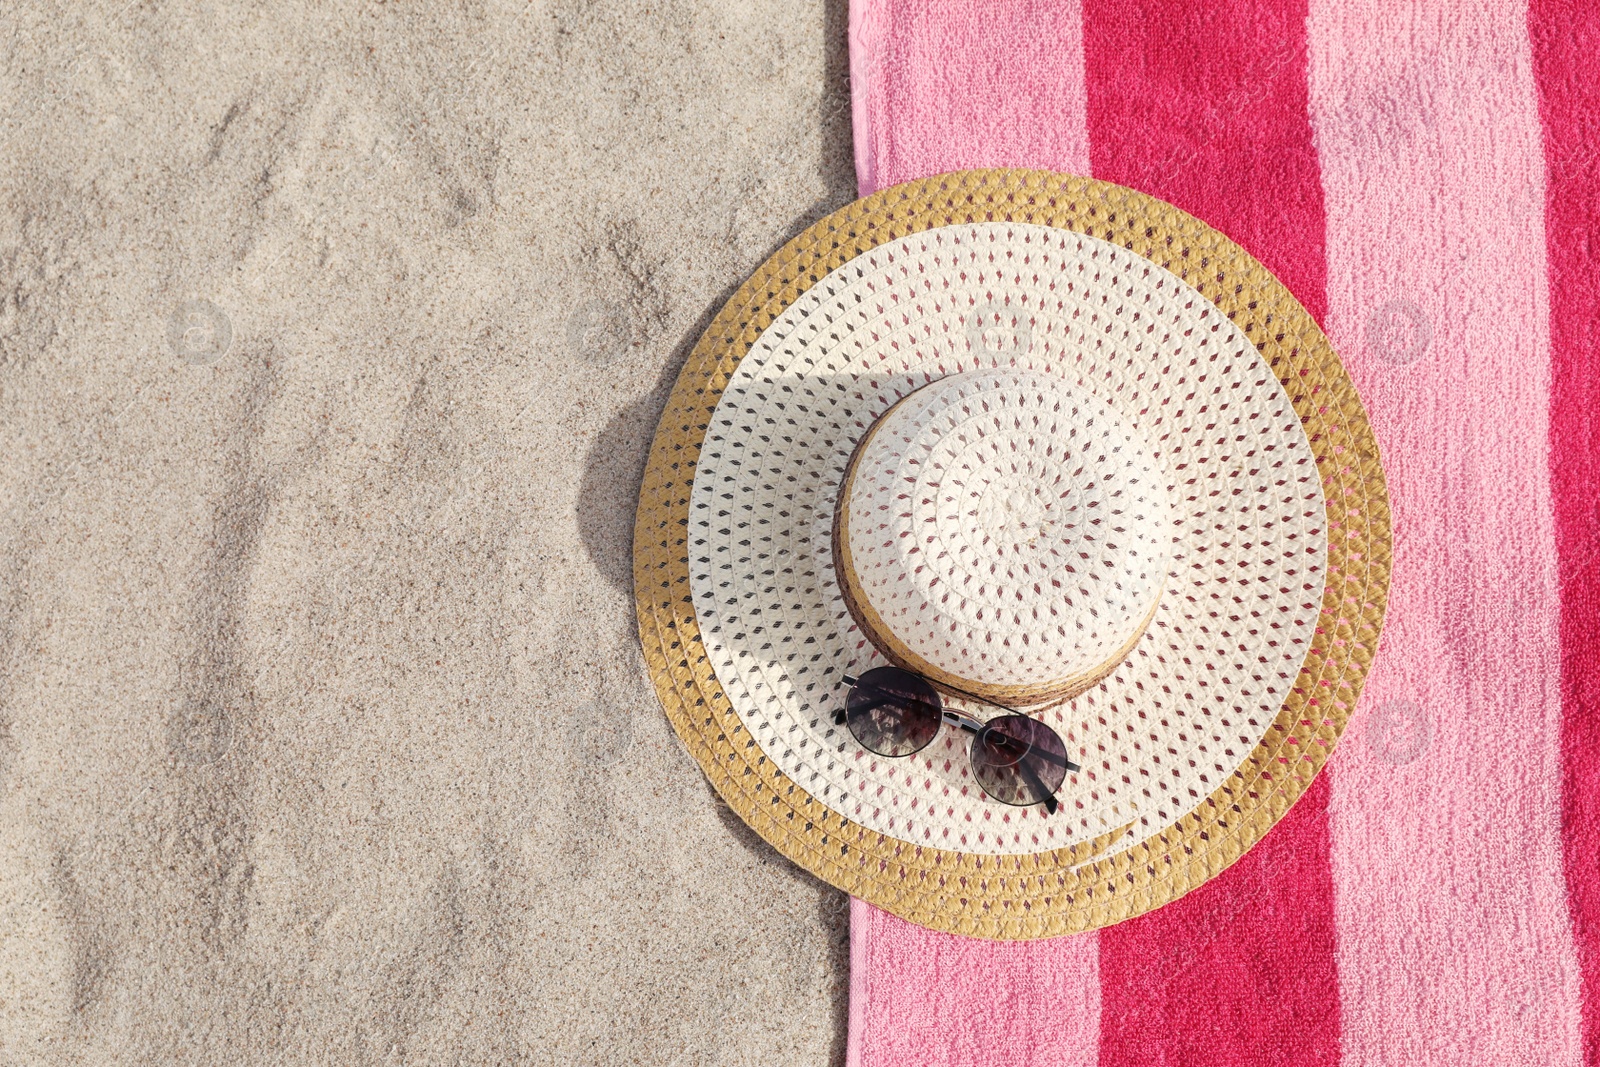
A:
(1019, 760)
(893, 712)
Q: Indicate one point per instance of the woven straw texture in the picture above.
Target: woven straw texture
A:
(1016, 883)
(1003, 534)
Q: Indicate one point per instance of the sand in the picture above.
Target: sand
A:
(332, 339)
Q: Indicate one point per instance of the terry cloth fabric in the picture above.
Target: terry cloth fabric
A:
(1424, 178)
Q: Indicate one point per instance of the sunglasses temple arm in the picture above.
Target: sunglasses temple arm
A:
(1072, 768)
(970, 696)
(986, 700)
(1046, 797)
(1059, 761)
(839, 717)
(886, 696)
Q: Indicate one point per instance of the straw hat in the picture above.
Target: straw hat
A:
(1039, 438)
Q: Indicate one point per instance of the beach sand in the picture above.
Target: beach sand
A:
(332, 340)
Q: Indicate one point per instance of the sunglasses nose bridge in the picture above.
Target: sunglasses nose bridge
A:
(960, 719)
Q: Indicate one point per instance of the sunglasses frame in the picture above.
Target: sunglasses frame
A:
(967, 724)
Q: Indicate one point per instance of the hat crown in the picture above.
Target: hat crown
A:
(1004, 533)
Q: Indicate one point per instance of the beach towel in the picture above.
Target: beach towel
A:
(1423, 176)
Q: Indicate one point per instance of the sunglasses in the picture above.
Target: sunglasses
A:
(1015, 758)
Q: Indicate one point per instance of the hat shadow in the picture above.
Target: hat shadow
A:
(613, 469)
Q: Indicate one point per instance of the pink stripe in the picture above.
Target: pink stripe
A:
(1454, 943)
(1566, 39)
(941, 86)
(935, 998)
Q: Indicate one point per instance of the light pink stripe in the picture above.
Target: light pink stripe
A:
(940, 999)
(861, 985)
(1454, 943)
(866, 38)
(941, 85)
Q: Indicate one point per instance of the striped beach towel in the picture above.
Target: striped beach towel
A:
(1424, 178)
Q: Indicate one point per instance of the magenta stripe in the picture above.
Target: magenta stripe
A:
(1454, 944)
(1208, 111)
(1566, 40)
